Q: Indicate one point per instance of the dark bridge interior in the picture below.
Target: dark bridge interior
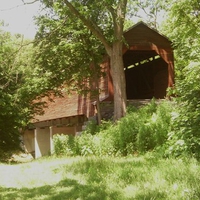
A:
(146, 74)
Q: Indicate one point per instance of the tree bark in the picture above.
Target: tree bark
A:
(119, 83)
(98, 111)
(96, 81)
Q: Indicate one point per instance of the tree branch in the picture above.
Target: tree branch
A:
(90, 25)
(122, 13)
(118, 16)
(17, 6)
(26, 3)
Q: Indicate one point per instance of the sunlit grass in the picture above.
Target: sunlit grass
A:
(143, 177)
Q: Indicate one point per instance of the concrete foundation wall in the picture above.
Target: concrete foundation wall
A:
(28, 139)
(42, 142)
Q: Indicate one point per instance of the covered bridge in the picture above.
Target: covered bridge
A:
(149, 70)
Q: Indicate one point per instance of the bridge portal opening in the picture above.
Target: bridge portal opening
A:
(146, 74)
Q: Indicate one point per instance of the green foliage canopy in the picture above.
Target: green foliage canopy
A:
(105, 20)
(66, 50)
(184, 30)
(11, 79)
(21, 86)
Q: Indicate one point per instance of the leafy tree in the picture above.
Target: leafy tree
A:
(68, 50)
(105, 20)
(9, 77)
(21, 84)
(183, 29)
(74, 51)
(182, 26)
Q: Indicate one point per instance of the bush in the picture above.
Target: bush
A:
(142, 130)
(63, 144)
(85, 144)
(91, 127)
(154, 126)
(185, 135)
(95, 143)
(9, 140)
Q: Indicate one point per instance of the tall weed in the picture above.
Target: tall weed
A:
(154, 126)
(144, 129)
(63, 144)
(149, 127)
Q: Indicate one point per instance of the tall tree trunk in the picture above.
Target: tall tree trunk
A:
(119, 83)
(96, 81)
(98, 111)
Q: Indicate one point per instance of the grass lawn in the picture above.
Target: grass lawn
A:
(144, 177)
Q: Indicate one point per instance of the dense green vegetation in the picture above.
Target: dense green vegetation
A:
(142, 130)
(22, 84)
(151, 153)
(14, 85)
(150, 128)
(182, 26)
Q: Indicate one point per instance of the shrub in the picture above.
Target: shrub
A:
(63, 144)
(185, 135)
(91, 127)
(107, 139)
(95, 140)
(141, 130)
(154, 126)
(85, 144)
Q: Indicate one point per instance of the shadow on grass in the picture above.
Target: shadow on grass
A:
(116, 179)
(98, 175)
(151, 195)
(67, 189)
